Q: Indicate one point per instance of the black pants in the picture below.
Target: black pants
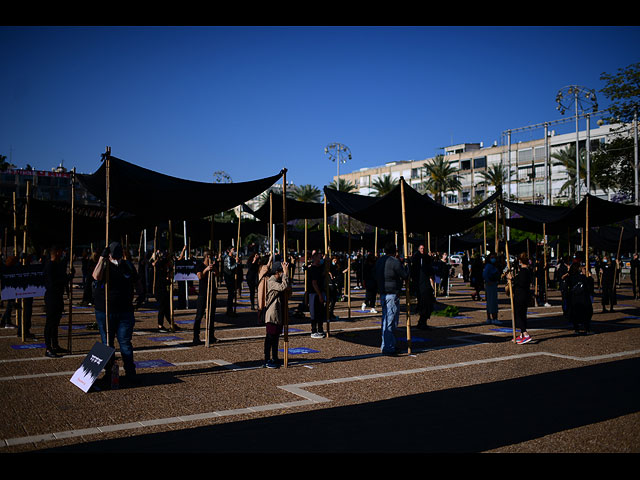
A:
(319, 315)
(520, 306)
(231, 295)
(26, 316)
(425, 304)
(370, 297)
(53, 311)
(201, 310)
(164, 307)
(271, 341)
(608, 295)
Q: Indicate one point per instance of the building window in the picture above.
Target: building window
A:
(480, 162)
(465, 164)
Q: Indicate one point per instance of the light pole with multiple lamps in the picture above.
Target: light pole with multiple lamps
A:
(580, 99)
(338, 152)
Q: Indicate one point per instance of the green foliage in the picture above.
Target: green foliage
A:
(441, 177)
(623, 90)
(384, 185)
(449, 311)
(307, 193)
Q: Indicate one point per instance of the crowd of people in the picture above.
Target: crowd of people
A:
(270, 277)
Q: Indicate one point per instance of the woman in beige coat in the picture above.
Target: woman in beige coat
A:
(277, 285)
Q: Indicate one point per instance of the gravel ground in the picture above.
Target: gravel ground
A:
(464, 386)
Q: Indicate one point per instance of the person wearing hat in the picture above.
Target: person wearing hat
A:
(277, 284)
(122, 278)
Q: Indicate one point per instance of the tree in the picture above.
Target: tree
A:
(441, 177)
(623, 90)
(495, 175)
(307, 193)
(567, 158)
(342, 185)
(383, 185)
(4, 165)
(612, 166)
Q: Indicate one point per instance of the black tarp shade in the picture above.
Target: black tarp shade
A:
(423, 214)
(558, 220)
(154, 196)
(296, 210)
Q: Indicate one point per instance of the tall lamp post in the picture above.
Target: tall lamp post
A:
(338, 152)
(580, 99)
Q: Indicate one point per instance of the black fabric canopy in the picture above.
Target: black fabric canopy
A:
(296, 210)
(558, 220)
(155, 196)
(423, 214)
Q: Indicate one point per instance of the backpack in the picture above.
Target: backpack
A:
(578, 290)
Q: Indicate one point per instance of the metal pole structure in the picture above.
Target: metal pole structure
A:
(547, 177)
(349, 269)
(333, 151)
(577, 152)
(588, 172)
(73, 204)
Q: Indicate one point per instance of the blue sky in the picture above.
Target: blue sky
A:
(188, 101)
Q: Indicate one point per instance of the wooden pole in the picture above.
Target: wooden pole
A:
(484, 227)
(15, 226)
(349, 269)
(588, 265)
(106, 273)
(546, 274)
(73, 205)
(615, 272)
(407, 293)
(235, 297)
(375, 243)
(306, 254)
(326, 267)
(510, 285)
(155, 249)
(24, 251)
(209, 304)
(285, 296)
(497, 226)
(171, 274)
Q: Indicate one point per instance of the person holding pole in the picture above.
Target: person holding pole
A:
(423, 279)
(389, 276)
(580, 289)
(56, 279)
(521, 285)
(608, 283)
(317, 296)
(122, 279)
(277, 284)
(162, 291)
(205, 270)
(229, 269)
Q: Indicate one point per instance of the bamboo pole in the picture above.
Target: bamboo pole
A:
(155, 250)
(306, 254)
(546, 274)
(15, 226)
(615, 272)
(285, 296)
(106, 273)
(349, 269)
(588, 265)
(484, 228)
(171, 274)
(73, 204)
(235, 298)
(209, 303)
(326, 267)
(24, 251)
(407, 294)
(509, 283)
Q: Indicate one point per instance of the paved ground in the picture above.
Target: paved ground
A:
(464, 387)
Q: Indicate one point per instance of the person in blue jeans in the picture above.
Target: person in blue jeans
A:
(390, 274)
(122, 280)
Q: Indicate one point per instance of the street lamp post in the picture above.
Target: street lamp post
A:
(580, 99)
(338, 152)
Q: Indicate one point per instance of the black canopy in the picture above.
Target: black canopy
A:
(156, 196)
(558, 220)
(296, 210)
(423, 214)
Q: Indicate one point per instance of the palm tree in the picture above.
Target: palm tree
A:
(307, 193)
(383, 185)
(567, 158)
(343, 185)
(441, 177)
(495, 175)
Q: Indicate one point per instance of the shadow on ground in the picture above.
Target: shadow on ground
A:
(468, 419)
